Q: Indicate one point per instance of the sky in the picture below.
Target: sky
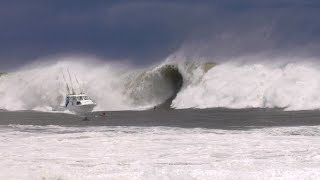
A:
(148, 31)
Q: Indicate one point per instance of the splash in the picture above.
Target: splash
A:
(42, 87)
(292, 85)
(112, 86)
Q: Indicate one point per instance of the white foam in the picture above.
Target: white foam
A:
(53, 152)
(42, 87)
(291, 85)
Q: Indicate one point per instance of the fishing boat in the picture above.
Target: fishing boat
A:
(79, 103)
(76, 102)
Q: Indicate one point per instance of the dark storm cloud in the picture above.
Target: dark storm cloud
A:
(148, 30)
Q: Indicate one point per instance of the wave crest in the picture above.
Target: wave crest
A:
(293, 85)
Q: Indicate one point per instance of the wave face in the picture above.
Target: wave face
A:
(154, 86)
(292, 85)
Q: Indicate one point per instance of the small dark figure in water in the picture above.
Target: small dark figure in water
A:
(85, 119)
(103, 115)
(155, 107)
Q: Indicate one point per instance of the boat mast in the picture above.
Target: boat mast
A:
(80, 87)
(68, 89)
(73, 92)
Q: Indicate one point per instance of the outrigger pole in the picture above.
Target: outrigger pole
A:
(68, 89)
(73, 92)
(80, 87)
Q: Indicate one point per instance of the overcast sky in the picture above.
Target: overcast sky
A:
(145, 31)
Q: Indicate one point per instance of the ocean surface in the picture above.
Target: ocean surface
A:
(234, 120)
(161, 144)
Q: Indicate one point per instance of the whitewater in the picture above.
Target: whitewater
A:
(54, 152)
(292, 85)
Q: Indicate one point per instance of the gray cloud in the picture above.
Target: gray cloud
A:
(147, 31)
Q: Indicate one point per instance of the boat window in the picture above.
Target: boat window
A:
(85, 97)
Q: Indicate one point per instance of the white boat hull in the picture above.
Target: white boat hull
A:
(81, 108)
(77, 103)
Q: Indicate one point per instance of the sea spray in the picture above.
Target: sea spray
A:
(112, 86)
(43, 87)
(291, 85)
(258, 83)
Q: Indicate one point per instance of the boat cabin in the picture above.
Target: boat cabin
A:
(77, 100)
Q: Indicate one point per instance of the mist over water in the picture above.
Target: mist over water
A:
(112, 86)
(43, 87)
(247, 82)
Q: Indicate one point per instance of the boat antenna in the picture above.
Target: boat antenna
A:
(67, 86)
(80, 87)
(73, 92)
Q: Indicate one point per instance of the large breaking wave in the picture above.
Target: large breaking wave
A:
(293, 85)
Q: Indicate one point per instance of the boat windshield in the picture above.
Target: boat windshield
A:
(79, 98)
(85, 97)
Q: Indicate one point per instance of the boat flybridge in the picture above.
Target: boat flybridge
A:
(79, 103)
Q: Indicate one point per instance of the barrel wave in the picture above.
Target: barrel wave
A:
(156, 86)
(291, 85)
